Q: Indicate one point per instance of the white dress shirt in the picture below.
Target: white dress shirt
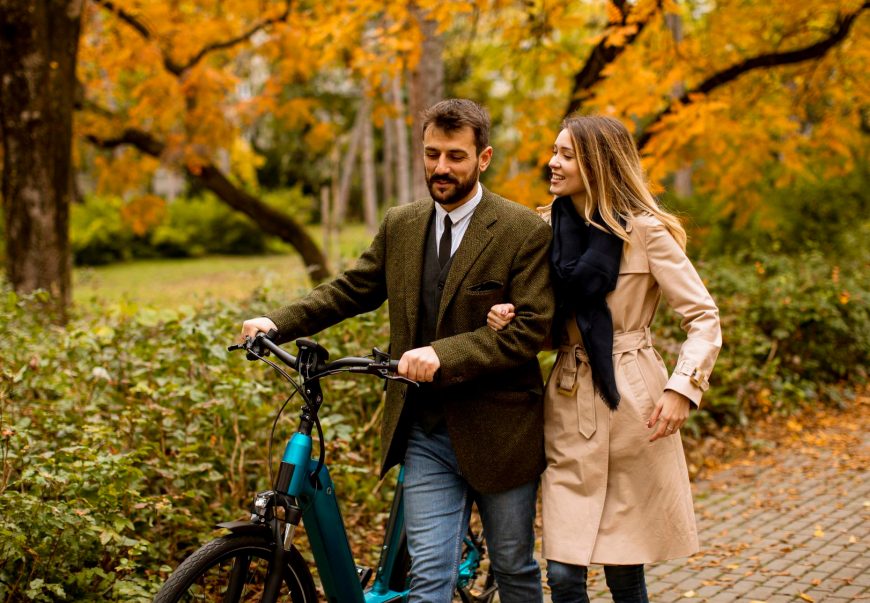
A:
(461, 218)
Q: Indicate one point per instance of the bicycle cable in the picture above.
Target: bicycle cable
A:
(297, 390)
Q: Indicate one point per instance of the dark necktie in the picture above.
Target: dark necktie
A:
(446, 242)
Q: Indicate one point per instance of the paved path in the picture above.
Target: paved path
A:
(791, 526)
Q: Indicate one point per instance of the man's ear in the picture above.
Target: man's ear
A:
(484, 158)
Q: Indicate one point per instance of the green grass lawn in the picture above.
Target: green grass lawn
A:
(169, 283)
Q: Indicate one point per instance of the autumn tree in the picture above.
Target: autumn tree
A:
(766, 91)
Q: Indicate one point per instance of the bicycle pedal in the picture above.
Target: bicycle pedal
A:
(364, 574)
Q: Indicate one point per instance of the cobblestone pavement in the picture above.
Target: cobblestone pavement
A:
(794, 526)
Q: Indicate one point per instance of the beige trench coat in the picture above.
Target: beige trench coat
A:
(611, 496)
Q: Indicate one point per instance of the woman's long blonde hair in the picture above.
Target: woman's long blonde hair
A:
(612, 175)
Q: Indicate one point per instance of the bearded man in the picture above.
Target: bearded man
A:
(473, 432)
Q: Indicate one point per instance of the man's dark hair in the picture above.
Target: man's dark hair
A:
(455, 113)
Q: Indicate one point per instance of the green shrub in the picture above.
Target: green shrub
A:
(792, 329)
(203, 225)
(815, 214)
(97, 233)
(125, 436)
(128, 434)
(191, 227)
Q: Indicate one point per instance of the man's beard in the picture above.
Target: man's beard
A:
(460, 188)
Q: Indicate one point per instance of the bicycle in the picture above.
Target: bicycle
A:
(257, 561)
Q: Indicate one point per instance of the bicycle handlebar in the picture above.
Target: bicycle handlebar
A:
(381, 366)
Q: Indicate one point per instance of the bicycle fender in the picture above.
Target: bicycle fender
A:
(243, 526)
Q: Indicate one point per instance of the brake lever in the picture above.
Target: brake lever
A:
(400, 379)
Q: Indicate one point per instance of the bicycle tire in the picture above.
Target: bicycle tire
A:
(192, 581)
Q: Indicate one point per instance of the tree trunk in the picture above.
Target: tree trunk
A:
(39, 42)
(427, 88)
(388, 165)
(326, 218)
(683, 175)
(367, 167)
(400, 127)
(347, 169)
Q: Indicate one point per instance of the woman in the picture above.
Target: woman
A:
(616, 488)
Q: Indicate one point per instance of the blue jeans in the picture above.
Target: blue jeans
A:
(568, 583)
(437, 507)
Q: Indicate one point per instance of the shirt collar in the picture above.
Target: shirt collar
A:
(463, 211)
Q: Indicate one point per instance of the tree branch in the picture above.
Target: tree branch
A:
(270, 220)
(238, 39)
(603, 55)
(817, 50)
(126, 17)
(169, 64)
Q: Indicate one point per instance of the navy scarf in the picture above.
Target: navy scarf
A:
(585, 264)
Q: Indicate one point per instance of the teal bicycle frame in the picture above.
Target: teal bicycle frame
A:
(326, 533)
(328, 538)
(306, 482)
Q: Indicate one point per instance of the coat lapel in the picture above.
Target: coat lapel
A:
(415, 234)
(475, 240)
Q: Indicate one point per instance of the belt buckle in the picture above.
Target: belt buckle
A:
(568, 391)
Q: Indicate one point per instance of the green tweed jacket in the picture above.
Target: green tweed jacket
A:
(489, 382)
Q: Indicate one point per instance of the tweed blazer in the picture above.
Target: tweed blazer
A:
(489, 383)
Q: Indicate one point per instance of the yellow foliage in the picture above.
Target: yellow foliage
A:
(245, 161)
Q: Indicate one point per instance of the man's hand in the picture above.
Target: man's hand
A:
(419, 364)
(251, 327)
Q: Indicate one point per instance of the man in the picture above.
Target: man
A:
(473, 432)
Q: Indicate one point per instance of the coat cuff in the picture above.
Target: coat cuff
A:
(689, 380)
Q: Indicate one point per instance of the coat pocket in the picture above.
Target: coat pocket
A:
(641, 402)
(485, 287)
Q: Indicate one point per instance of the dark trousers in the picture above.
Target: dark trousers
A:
(568, 583)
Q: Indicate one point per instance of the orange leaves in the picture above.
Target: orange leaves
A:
(614, 15)
(144, 213)
(619, 35)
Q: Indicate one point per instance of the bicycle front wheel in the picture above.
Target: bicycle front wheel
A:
(233, 569)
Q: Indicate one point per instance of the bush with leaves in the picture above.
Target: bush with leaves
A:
(128, 434)
(795, 330)
(186, 227)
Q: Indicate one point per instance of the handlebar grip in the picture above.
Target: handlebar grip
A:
(394, 366)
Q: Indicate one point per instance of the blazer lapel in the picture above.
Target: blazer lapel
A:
(475, 240)
(414, 234)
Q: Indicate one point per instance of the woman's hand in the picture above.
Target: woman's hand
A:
(671, 412)
(500, 316)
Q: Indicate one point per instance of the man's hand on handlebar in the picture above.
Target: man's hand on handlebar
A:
(251, 327)
(419, 364)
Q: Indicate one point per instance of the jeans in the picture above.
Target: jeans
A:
(437, 507)
(568, 583)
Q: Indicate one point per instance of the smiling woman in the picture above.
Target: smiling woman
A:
(564, 169)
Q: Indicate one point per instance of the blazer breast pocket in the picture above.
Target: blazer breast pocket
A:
(485, 287)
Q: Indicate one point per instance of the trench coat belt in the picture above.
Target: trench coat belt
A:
(571, 375)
